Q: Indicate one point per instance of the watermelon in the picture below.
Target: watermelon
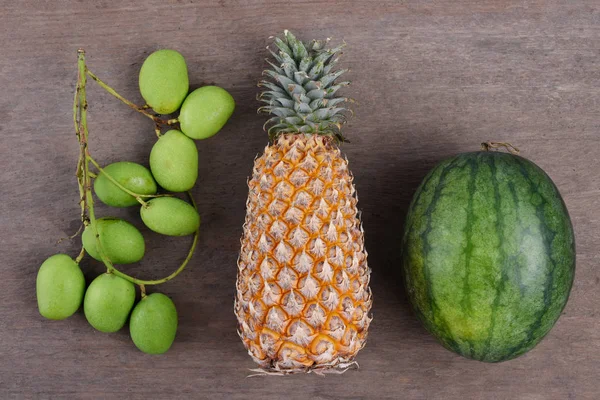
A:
(488, 254)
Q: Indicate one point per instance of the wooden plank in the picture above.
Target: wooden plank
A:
(431, 79)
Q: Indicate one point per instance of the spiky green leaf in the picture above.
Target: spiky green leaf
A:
(301, 92)
(302, 108)
(283, 47)
(301, 77)
(328, 79)
(316, 94)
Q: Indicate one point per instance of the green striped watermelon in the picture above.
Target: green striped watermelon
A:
(489, 254)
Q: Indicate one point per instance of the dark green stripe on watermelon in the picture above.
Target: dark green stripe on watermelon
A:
(489, 254)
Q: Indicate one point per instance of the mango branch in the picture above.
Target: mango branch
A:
(142, 110)
(79, 171)
(85, 180)
(84, 176)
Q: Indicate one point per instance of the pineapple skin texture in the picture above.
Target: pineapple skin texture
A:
(303, 296)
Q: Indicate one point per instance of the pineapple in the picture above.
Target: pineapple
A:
(303, 296)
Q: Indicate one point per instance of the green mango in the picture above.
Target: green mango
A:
(170, 216)
(164, 81)
(153, 324)
(108, 301)
(174, 161)
(205, 111)
(59, 287)
(132, 176)
(122, 242)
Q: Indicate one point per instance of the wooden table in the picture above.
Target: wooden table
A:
(431, 79)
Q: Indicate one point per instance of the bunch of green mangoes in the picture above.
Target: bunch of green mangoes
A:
(109, 299)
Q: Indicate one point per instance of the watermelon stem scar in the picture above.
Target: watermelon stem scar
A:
(488, 146)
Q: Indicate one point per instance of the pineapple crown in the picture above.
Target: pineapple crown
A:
(301, 94)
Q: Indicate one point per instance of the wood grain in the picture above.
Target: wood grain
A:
(431, 79)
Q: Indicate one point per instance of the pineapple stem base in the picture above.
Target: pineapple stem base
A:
(337, 369)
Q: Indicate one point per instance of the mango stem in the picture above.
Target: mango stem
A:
(141, 109)
(137, 196)
(80, 256)
(177, 271)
